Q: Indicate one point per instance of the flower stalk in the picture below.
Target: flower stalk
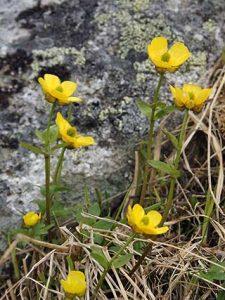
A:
(110, 264)
(47, 189)
(169, 201)
(150, 138)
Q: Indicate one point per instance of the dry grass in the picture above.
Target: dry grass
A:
(172, 269)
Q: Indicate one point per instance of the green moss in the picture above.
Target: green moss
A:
(56, 56)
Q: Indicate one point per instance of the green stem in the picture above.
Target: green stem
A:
(15, 265)
(110, 263)
(147, 250)
(58, 169)
(209, 205)
(48, 168)
(47, 189)
(169, 201)
(150, 138)
(49, 123)
(69, 112)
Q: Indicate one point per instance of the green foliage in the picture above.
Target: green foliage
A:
(164, 167)
(145, 108)
(122, 260)
(54, 188)
(32, 148)
(171, 137)
(58, 209)
(215, 272)
(48, 136)
(162, 110)
(99, 256)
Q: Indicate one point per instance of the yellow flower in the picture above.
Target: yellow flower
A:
(190, 96)
(75, 283)
(70, 135)
(145, 223)
(31, 218)
(167, 59)
(54, 89)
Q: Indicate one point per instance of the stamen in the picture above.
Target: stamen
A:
(165, 57)
(59, 89)
(191, 95)
(71, 132)
(145, 220)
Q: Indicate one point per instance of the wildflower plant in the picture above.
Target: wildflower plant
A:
(144, 210)
(57, 93)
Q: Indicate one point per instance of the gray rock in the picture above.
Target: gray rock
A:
(101, 45)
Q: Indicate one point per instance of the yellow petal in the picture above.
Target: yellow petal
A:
(52, 81)
(179, 54)
(149, 230)
(159, 230)
(62, 124)
(69, 87)
(202, 96)
(75, 283)
(76, 275)
(177, 95)
(74, 99)
(154, 217)
(191, 88)
(59, 95)
(31, 218)
(157, 48)
(83, 141)
(138, 212)
(43, 84)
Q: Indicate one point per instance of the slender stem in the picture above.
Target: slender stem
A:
(69, 112)
(47, 189)
(49, 123)
(48, 168)
(110, 263)
(147, 250)
(15, 265)
(169, 201)
(150, 138)
(58, 169)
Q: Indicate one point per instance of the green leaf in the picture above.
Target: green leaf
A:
(172, 138)
(102, 224)
(94, 209)
(162, 110)
(99, 256)
(145, 108)
(221, 295)
(214, 273)
(164, 167)
(54, 189)
(32, 148)
(122, 260)
(48, 136)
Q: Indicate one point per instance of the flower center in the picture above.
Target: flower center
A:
(59, 89)
(145, 220)
(165, 57)
(191, 96)
(71, 132)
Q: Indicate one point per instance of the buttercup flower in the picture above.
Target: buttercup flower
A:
(145, 223)
(54, 89)
(167, 59)
(31, 218)
(190, 96)
(70, 135)
(75, 283)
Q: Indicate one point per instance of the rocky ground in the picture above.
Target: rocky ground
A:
(101, 44)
